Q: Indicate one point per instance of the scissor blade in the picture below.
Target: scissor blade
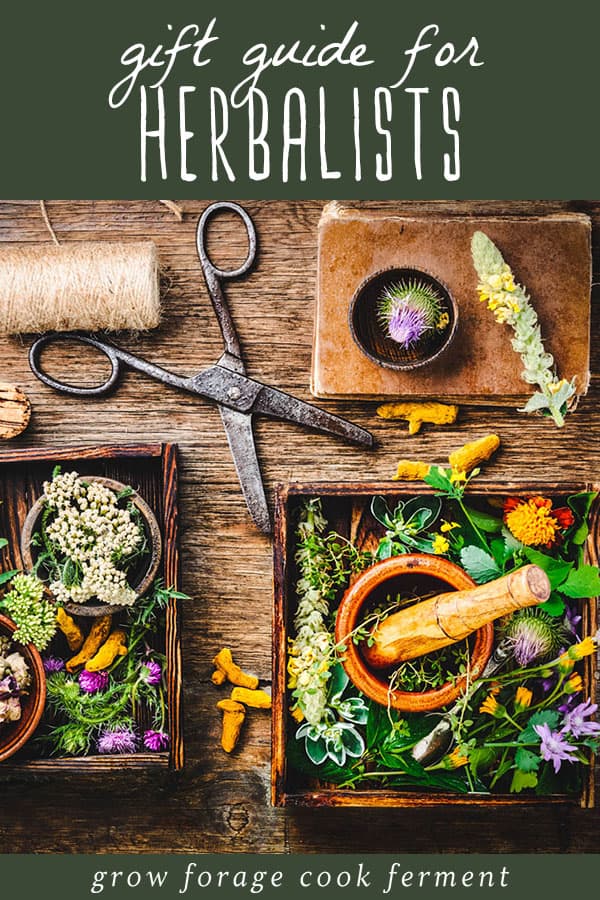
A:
(238, 428)
(277, 405)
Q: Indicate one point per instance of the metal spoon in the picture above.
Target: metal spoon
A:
(436, 744)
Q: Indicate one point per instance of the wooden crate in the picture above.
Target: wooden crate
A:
(152, 470)
(346, 507)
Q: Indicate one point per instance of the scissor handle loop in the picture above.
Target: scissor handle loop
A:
(35, 352)
(201, 231)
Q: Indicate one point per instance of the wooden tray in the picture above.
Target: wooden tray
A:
(152, 470)
(550, 255)
(346, 507)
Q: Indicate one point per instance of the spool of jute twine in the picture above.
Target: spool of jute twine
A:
(87, 286)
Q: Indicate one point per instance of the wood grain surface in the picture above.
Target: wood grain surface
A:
(221, 803)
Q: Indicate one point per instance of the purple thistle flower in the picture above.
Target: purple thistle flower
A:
(151, 672)
(121, 740)
(52, 664)
(92, 682)
(575, 720)
(156, 740)
(407, 324)
(553, 748)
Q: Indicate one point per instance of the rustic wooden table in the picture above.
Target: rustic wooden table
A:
(221, 803)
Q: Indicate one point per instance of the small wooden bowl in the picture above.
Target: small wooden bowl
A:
(14, 735)
(371, 337)
(415, 570)
(142, 579)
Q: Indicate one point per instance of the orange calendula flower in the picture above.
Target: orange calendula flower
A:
(574, 684)
(523, 697)
(491, 706)
(456, 759)
(534, 522)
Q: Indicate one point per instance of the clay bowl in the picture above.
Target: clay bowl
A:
(14, 735)
(140, 578)
(424, 574)
(371, 337)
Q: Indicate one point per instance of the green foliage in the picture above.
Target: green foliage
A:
(408, 526)
(479, 565)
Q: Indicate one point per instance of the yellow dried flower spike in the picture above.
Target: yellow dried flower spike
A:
(411, 471)
(471, 455)
(418, 413)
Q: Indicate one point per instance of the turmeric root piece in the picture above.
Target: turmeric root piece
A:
(257, 699)
(233, 719)
(471, 455)
(418, 413)
(70, 629)
(115, 645)
(411, 471)
(218, 677)
(98, 634)
(224, 662)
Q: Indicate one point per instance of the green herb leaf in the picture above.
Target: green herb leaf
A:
(439, 479)
(581, 504)
(556, 569)
(582, 582)
(480, 565)
(522, 780)
(548, 717)
(484, 521)
(554, 606)
(526, 760)
(7, 576)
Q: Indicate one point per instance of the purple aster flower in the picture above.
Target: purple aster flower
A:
(120, 740)
(151, 672)
(156, 740)
(53, 664)
(92, 682)
(553, 748)
(568, 704)
(407, 325)
(576, 723)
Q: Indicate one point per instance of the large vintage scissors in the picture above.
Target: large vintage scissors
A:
(239, 398)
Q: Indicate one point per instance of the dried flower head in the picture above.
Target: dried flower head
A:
(534, 636)
(156, 740)
(93, 682)
(409, 310)
(117, 740)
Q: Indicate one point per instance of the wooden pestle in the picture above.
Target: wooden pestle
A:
(447, 618)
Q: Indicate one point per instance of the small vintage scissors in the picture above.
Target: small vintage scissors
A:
(238, 397)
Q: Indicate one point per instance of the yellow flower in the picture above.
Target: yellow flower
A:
(297, 714)
(495, 282)
(508, 282)
(584, 648)
(458, 476)
(491, 706)
(440, 544)
(523, 698)
(455, 759)
(493, 305)
(532, 522)
(448, 526)
(443, 321)
(565, 663)
(501, 315)
(574, 684)
(555, 387)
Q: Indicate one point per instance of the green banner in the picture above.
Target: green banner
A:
(263, 99)
(318, 876)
